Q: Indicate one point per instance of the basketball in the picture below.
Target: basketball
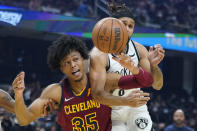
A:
(110, 35)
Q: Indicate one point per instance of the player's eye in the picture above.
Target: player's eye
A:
(75, 59)
(125, 23)
(130, 26)
(67, 62)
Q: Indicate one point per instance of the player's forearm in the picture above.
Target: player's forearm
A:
(102, 96)
(142, 79)
(158, 78)
(23, 115)
(6, 101)
(106, 98)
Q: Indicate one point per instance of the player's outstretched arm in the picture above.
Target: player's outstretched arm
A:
(26, 115)
(146, 65)
(6, 101)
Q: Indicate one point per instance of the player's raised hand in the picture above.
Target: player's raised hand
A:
(138, 98)
(19, 83)
(126, 62)
(156, 55)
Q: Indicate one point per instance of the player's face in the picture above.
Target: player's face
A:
(178, 117)
(129, 23)
(73, 66)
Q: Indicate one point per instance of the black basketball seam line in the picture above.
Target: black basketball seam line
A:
(123, 38)
(99, 32)
(110, 36)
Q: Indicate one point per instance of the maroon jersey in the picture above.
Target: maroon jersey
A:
(82, 113)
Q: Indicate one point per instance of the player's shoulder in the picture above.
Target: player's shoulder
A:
(53, 86)
(98, 56)
(52, 90)
(96, 52)
(138, 45)
(141, 49)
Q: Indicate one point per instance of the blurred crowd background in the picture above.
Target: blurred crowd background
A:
(175, 15)
(165, 14)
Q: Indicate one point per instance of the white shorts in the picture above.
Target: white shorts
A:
(119, 126)
(140, 121)
(127, 119)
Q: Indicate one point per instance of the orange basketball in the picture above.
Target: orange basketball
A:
(110, 35)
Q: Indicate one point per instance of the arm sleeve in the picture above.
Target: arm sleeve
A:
(142, 79)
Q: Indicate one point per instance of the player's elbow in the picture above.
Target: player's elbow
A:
(23, 123)
(23, 120)
(157, 85)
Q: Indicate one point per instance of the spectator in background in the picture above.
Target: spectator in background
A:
(34, 5)
(179, 122)
(83, 10)
(6, 122)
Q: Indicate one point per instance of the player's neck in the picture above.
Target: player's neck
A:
(79, 86)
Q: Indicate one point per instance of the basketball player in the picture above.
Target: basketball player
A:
(77, 109)
(125, 118)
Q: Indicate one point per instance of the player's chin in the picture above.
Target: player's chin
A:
(79, 78)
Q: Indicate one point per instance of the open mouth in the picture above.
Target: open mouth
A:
(76, 73)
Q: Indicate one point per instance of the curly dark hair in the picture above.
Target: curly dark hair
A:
(62, 47)
(118, 10)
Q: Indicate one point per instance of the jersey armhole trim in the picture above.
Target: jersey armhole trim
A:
(136, 50)
(62, 96)
(108, 64)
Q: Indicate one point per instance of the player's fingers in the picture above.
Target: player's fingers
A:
(22, 75)
(44, 112)
(162, 51)
(123, 56)
(139, 94)
(17, 78)
(116, 59)
(157, 46)
(144, 98)
(51, 104)
(161, 56)
(144, 94)
(150, 48)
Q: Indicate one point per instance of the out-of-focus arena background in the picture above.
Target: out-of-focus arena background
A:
(27, 28)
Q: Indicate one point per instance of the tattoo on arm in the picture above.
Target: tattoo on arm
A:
(6, 97)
